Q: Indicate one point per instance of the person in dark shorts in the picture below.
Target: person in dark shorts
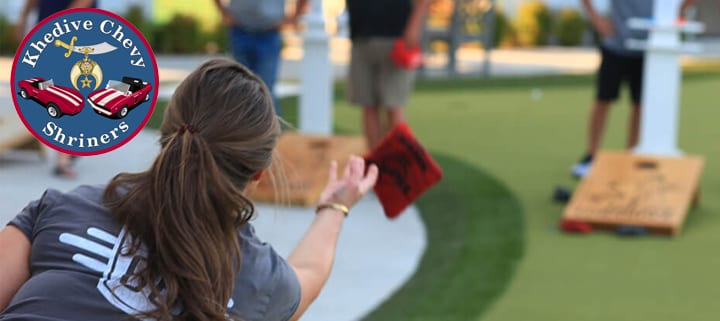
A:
(174, 242)
(374, 81)
(619, 65)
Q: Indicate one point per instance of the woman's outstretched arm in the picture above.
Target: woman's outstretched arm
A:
(313, 256)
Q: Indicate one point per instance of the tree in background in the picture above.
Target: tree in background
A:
(570, 27)
(8, 43)
(533, 24)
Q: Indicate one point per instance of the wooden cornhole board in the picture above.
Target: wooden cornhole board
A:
(627, 189)
(14, 135)
(305, 160)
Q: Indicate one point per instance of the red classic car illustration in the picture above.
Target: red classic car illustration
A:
(58, 100)
(119, 97)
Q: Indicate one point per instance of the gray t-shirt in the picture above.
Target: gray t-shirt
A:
(620, 12)
(77, 267)
(257, 15)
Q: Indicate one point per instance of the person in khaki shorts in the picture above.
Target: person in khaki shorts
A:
(375, 83)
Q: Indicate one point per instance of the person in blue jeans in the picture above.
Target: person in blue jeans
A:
(255, 39)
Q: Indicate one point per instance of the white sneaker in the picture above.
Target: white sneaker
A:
(579, 170)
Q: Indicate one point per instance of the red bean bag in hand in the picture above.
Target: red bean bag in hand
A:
(405, 57)
(406, 170)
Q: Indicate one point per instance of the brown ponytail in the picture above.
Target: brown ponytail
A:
(219, 131)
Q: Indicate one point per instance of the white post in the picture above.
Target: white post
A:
(315, 114)
(661, 78)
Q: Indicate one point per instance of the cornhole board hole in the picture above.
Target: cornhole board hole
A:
(305, 160)
(624, 189)
(14, 135)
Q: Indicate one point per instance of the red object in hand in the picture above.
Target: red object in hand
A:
(575, 227)
(404, 57)
(406, 170)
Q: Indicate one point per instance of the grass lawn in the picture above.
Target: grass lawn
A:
(491, 222)
(529, 145)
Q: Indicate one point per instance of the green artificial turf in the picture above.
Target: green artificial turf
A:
(475, 240)
(499, 146)
(599, 277)
(497, 127)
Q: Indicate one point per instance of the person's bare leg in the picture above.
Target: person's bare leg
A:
(598, 118)
(395, 116)
(372, 126)
(63, 166)
(634, 126)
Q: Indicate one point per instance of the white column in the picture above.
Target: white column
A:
(662, 76)
(315, 114)
(661, 83)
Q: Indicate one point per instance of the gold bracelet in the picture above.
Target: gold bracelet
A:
(334, 206)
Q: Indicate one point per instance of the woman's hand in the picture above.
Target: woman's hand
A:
(352, 186)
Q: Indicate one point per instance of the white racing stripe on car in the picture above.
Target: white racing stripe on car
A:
(98, 108)
(71, 94)
(61, 94)
(110, 97)
(100, 93)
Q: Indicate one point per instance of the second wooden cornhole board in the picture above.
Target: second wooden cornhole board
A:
(305, 160)
(626, 189)
(13, 135)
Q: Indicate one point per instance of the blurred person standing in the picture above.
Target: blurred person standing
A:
(375, 82)
(45, 8)
(255, 39)
(619, 64)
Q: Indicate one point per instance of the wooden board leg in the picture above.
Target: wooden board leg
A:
(696, 198)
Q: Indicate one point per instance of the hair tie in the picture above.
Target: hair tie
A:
(186, 127)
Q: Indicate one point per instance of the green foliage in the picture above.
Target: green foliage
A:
(180, 35)
(533, 23)
(503, 32)
(183, 34)
(136, 16)
(570, 27)
(217, 39)
(8, 44)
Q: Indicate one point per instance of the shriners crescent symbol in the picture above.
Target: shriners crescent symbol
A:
(85, 67)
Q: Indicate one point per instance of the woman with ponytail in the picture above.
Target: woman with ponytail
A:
(174, 242)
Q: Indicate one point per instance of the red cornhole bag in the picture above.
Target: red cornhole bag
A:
(406, 170)
(575, 227)
(404, 57)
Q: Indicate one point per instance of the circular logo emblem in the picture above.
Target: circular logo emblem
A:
(85, 81)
